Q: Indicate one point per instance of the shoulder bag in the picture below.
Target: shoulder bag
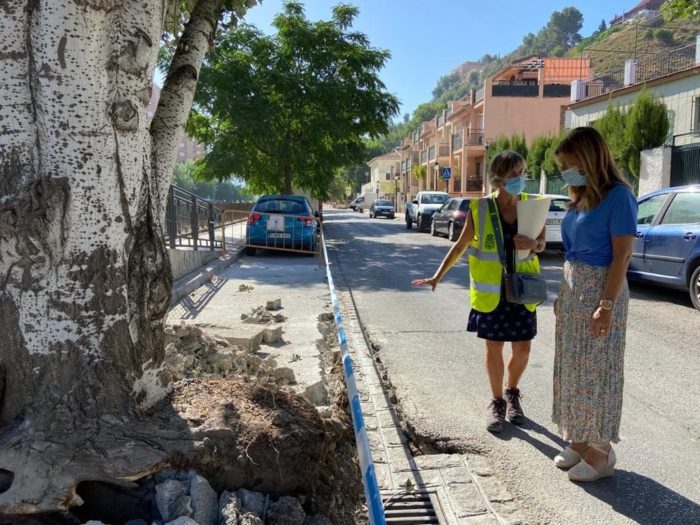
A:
(521, 287)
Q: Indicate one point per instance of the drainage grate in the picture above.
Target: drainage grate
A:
(410, 509)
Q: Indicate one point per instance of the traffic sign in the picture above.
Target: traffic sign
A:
(446, 173)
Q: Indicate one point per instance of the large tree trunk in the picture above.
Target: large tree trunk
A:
(84, 275)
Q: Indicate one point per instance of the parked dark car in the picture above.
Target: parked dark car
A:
(281, 222)
(449, 219)
(382, 208)
(667, 245)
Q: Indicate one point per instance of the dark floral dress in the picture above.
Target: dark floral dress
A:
(508, 322)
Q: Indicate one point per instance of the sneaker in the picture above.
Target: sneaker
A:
(515, 411)
(497, 415)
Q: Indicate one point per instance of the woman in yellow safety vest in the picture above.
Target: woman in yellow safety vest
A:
(492, 317)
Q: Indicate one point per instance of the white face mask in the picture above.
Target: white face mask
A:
(573, 177)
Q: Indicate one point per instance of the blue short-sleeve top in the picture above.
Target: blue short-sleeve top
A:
(587, 235)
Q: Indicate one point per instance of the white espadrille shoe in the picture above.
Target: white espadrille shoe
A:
(567, 458)
(582, 471)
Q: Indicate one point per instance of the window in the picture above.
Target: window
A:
(451, 205)
(648, 209)
(464, 205)
(685, 209)
(559, 204)
(388, 176)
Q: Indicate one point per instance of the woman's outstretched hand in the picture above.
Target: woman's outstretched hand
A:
(430, 281)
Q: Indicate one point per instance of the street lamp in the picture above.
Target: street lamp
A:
(436, 172)
(396, 191)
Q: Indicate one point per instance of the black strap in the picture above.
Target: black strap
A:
(497, 230)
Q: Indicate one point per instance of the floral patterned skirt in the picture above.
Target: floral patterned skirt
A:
(588, 371)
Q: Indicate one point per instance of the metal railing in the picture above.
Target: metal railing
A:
(648, 68)
(190, 221)
(474, 137)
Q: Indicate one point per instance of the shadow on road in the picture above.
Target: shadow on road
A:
(644, 500)
(513, 431)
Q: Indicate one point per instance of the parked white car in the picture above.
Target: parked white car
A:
(557, 210)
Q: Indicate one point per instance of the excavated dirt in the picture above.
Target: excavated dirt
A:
(245, 428)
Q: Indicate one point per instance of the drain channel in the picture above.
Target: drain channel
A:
(417, 508)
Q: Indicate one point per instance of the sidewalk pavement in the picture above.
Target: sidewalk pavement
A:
(461, 489)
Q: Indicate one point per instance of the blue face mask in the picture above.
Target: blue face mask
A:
(573, 177)
(515, 186)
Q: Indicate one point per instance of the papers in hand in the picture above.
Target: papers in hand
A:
(532, 214)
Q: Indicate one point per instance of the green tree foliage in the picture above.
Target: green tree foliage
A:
(687, 9)
(518, 144)
(185, 176)
(612, 126)
(515, 142)
(602, 27)
(287, 110)
(536, 155)
(445, 83)
(557, 37)
(647, 127)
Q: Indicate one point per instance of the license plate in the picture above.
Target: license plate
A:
(275, 223)
(279, 235)
(553, 221)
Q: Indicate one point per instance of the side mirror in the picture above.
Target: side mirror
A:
(414, 201)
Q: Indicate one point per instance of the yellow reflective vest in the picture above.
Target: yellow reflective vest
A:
(485, 269)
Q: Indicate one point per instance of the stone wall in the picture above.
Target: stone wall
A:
(655, 171)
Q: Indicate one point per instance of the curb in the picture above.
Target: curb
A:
(193, 280)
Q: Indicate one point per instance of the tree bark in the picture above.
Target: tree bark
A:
(85, 278)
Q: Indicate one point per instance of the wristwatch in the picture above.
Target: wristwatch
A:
(606, 304)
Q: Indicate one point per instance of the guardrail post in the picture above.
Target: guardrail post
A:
(171, 218)
(212, 237)
(194, 223)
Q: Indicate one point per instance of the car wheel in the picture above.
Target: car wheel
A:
(451, 232)
(409, 222)
(392, 217)
(249, 250)
(433, 231)
(420, 224)
(694, 287)
(370, 215)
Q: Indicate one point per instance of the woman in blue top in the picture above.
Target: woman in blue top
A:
(598, 232)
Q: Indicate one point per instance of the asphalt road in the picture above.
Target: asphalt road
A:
(437, 370)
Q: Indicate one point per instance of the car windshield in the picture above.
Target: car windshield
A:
(289, 206)
(558, 204)
(382, 203)
(435, 198)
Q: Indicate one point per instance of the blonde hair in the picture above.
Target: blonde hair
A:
(596, 163)
(504, 163)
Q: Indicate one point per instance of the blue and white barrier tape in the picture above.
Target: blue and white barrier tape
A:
(369, 479)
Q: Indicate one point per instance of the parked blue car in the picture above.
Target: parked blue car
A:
(667, 246)
(281, 222)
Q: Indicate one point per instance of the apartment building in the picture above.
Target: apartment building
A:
(527, 97)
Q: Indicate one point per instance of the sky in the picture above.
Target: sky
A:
(429, 38)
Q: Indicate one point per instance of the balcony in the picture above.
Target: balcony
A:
(515, 90)
(479, 96)
(556, 90)
(474, 137)
(457, 140)
(441, 120)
